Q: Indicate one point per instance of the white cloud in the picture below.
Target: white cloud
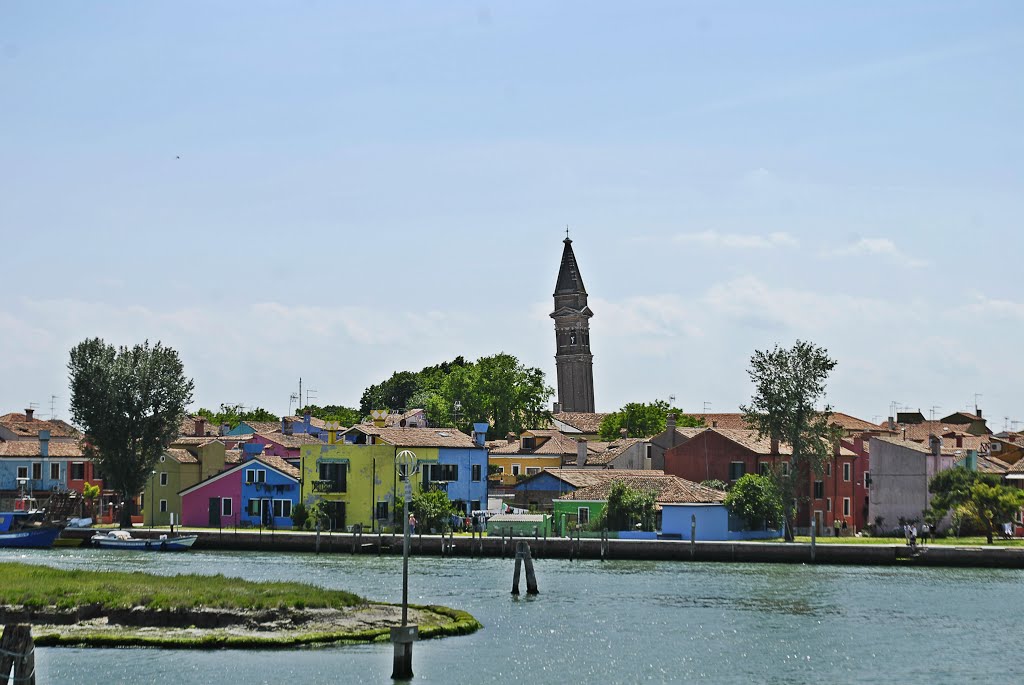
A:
(995, 308)
(714, 239)
(881, 247)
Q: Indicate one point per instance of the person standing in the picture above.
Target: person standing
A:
(925, 529)
(412, 524)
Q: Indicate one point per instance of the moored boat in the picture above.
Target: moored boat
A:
(27, 526)
(122, 539)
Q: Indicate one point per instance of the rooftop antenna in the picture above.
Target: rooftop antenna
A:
(932, 410)
(976, 396)
(707, 405)
(893, 406)
(308, 391)
(1006, 423)
(53, 407)
(293, 398)
(1013, 425)
(876, 419)
(671, 400)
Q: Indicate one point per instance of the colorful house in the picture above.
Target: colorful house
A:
(356, 479)
(531, 453)
(40, 465)
(261, 490)
(251, 427)
(538, 491)
(306, 424)
(286, 446)
(180, 467)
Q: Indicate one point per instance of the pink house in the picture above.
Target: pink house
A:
(214, 502)
(285, 446)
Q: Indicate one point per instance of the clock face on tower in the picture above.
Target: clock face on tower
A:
(573, 360)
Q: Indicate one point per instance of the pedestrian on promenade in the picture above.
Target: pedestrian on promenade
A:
(925, 529)
(835, 526)
(412, 524)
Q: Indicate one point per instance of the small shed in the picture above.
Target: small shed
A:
(523, 525)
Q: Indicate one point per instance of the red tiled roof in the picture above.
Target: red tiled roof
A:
(613, 450)
(667, 489)
(549, 442)
(278, 463)
(583, 477)
(293, 441)
(30, 448)
(417, 437)
(584, 422)
(181, 456)
(19, 425)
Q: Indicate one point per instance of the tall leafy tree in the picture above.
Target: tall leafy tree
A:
(346, 416)
(642, 420)
(756, 499)
(628, 506)
(788, 385)
(234, 414)
(995, 505)
(130, 403)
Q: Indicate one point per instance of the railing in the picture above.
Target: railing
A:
(327, 486)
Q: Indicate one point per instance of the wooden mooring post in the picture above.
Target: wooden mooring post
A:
(523, 557)
(693, 536)
(17, 654)
(814, 539)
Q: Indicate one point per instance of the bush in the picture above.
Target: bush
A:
(757, 500)
(299, 516)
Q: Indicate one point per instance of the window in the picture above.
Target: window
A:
(77, 471)
(516, 469)
(846, 506)
(440, 472)
(256, 476)
(474, 505)
(785, 468)
(736, 470)
(261, 476)
(583, 516)
(54, 471)
(254, 507)
(163, 478)
(333, 478)
(846, 471)
(828, 469)
(819, 489)
(530, 470)
(501, 470)
(37, 471)
(867, 479)
(23, 472)
(381, 512)
(828, 504)
(764, 468)
(163, 506)
(282, 508)
(478, 471)
(225, 506)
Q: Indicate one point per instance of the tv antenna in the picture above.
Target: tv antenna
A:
(293, 398)
(53, 407)
(932, 410)
(707, 405)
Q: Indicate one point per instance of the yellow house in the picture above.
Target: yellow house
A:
(534, 451)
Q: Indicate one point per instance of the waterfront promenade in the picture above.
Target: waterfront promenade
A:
(267, 540)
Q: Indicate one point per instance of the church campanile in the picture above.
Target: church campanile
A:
(573, 359)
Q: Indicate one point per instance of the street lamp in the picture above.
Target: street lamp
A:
(152, 496)
(404, 636)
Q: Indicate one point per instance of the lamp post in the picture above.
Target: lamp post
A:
(152, 496)
(404, 636)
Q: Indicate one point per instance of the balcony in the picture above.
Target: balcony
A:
(328, 486)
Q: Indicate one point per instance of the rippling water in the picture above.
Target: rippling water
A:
(611, 622)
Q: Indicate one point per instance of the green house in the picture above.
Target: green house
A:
(183, 465)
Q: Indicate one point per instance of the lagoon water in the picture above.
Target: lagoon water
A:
(610, 622)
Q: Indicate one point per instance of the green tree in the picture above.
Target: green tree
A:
(89, 494)
(130, 403)
(995, 505)
(715, 484)
(642, 420)
(234, 414)
(628, 506)
(394, 393)
(346, 416)
(788, 383)
(757, 500)
(432, 509)
(951, 488)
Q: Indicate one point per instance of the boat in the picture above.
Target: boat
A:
(27, 526)
(122, 539)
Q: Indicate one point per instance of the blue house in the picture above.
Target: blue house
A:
(463, 470)
(713, 521)
(37, 465)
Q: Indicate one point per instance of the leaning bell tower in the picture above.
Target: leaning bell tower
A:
(573, 360)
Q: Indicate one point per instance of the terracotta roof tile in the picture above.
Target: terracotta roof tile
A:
(417, 437)
(181, 456)
(666, 488)
(30, 448)
(581, 478)
(17, 424)
(584, 422)
(613, 451)
(293, 441)
(278, 463)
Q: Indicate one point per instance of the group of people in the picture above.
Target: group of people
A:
(910, 531)
(839, 526)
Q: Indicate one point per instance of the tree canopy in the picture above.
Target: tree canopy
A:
(130, 403)
(757, 500)
(498, 390)
(346, 416)
(642, 420)
(978, 497)
(627, 507)
(788, 384)
(234, 414)
(995, 505)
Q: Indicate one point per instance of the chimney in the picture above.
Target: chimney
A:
(935, 445)
(510, 438)
(714, 424)
(200, 428)
(286, 426)
(28, 414)
(858, 444)
(892, 424)
(959, 441)
(44, 443)
(556, 408)
(307, 419)
(775, 446)
(977, 412)
(670, 426)
(225, 428)
(581, 453)
(480, 433)
(623, 433)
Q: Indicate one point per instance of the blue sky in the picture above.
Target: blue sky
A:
(335, 191)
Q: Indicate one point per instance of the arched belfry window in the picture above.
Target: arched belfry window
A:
(572, 336)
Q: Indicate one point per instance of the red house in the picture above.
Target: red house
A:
(727, 454)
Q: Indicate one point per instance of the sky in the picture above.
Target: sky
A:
(336, 191)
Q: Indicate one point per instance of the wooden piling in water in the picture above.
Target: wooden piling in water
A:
(17, 654)
(523, 558)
